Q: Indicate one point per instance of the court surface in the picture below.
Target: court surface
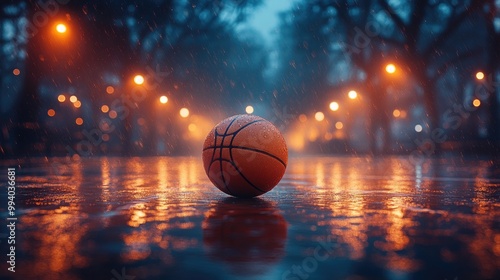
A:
(329, 218)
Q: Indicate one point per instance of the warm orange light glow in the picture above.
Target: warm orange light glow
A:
(334, 106)
(396, 113)
(16, 72)
(163, 99)
(352, 94)
(110, 89)
(51, 112)
(79, 121)
(476, 102)
(390, 68)
(403, 114)
(479, 75)
(61, 98)
(302, 118)
(105, 137)
(249, 109)
(192, 127)
(73, 99)
(184, 112)
(339, 125)
(77, 104)
(319, 116)
(104, 108)
(61, 28)
(139, 80)
(113, 114)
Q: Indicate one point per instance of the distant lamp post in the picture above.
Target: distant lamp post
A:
(390, 68)
(184, 112)
(319, 116)
(163, 99)
(249, 109)
(61, 28)
(334, 106)
(352, 94)
(139, 79)
(479, 75)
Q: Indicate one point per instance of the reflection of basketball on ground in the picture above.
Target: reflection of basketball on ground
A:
(245, 156)
(249, 235)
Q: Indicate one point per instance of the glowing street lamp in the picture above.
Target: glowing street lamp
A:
(334, 106)
(476, 102)
(61, 28)
(390, 68)
(139, 79)
(61, 98)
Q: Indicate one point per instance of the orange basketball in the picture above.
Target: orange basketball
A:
(245, 156)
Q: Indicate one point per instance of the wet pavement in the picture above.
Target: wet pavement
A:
(329, 218)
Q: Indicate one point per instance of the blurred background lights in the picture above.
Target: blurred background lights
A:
(139, 79)
(184, 112)
(319, 116)
(51, 112)
(476, 102)
(163, 99)
(352, 94)
(61, 98)
(334, 106)
(339, 125)
(479, 75)
(104, 108)
(418, 128)
(61, 28)
(390, 68)
(79, 121)
(249, 109)
(16, 72)
(110, 89)
(73, 99)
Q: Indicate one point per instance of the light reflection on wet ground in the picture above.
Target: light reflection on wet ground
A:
(329, 218)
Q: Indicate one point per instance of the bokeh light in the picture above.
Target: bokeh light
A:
(319, 116)
(73, 99)
(51, 112)
(303, 118)
(418, 128)
(110, 89)
(192, 127)
(139, 79)
(396, 113)
(104, 108)
(390, 68)
(61, 28)
(249, 109)
(113, 114)
(352, 94)
(79, 121)
(184, 112)
(476, 102)
(16, 72)
(61, 98)
(163, 99)
(479, 75)
(339, 125)
(334, 106)
(77, 104)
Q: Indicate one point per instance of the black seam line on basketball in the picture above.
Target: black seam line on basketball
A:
(222, 144)
(241, 128)
(248, 149)
(215, 143)
(241, 174)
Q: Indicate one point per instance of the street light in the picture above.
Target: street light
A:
(476, 102)
(390, 68)
(319, 116)
(184, 112)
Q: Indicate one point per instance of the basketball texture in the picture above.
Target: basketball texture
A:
(245, 156)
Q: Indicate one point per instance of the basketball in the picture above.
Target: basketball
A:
(245, 156)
